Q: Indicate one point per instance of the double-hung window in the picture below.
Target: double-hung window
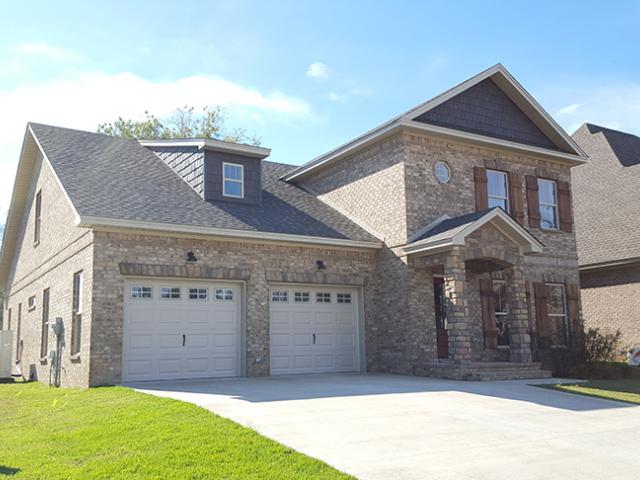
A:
(497, 189)
(548, 199)
(232, 180)
(557, 312)
(76, 312)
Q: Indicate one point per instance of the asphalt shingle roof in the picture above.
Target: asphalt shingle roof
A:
(606, 195)
(450, 227)
(119, 178)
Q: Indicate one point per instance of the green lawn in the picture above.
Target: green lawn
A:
(116, 433)
(626, 390)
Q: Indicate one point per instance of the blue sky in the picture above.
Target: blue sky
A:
(305, 76)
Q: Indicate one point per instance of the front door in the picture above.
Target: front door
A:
(442, 338)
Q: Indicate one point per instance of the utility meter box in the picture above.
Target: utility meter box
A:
(6, 341)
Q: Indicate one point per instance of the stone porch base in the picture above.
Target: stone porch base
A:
(481, 371)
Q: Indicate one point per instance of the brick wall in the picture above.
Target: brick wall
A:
(63, 250)
(108, 289)
(611, 301)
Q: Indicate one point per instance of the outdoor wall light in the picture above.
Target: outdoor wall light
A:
(320, 264)
(191, 257)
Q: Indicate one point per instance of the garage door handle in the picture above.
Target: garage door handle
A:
(314, 338)
(184, 339)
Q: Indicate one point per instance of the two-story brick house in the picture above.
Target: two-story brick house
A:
(440, 243)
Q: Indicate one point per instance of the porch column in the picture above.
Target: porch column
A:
(457, 309)
(520, 349)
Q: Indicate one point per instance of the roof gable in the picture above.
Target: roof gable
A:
(486, 110)
(448, 232)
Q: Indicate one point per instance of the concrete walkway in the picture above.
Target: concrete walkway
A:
(396, 427)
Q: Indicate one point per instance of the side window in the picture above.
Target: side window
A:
(76, 314)
(279, 296)
(548, 200)
(44, 332)
(18, 327)
(232, 180)
(501, 312)
(37, 219)
(557, 313)
(497, 190)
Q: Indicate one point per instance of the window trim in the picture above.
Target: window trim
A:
(556, 212)
(37, 225)
(506, 189)
(225, 179)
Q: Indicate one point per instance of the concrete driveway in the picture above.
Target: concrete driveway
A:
(396, 427)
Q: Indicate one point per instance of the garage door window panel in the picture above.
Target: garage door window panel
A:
(141, 292)
(279, 296)
(198, 293)
(323, 297)
(170, 293)
(301, 297)
(343, 298)
(225, 294)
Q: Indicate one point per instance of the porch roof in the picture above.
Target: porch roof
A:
(447, 232)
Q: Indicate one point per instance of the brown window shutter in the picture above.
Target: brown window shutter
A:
(564, 206)
(515, 197)
(533, 204)
(480, 181)
(488, 314)
(542, 317)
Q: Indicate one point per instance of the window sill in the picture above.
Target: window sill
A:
(75, 358)
(559, 347)
(504, 347)
(35, 244)
(44, 361)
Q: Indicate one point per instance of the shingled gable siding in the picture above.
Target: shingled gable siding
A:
(213, 177)
(484, 109)
(188, 162)
(63, 250)
(253, 262)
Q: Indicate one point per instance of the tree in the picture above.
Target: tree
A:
(184, 123)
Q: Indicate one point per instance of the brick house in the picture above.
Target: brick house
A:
(607, 199)
(439, 243)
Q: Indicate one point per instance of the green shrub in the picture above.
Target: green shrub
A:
(602, 347)
(603, 371)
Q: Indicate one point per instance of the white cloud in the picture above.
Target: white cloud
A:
(318, 70)
(569, 109)
(335, 97)
(86, 100)
(45, 50)
(612, 103)
(361, 91)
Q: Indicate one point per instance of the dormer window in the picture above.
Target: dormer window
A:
(232, 180)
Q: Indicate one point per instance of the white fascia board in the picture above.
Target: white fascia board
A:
(562, 157)
(210, 144)
(362, 141)
(97, 222)
(429, 247)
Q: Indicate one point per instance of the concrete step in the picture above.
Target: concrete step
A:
(482, 371)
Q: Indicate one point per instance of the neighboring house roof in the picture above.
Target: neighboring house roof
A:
(606, 197)
(117, 182)
(446, 232)
(443, 117)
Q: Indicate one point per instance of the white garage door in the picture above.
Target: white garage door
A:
(178, 329)
(313, 330)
